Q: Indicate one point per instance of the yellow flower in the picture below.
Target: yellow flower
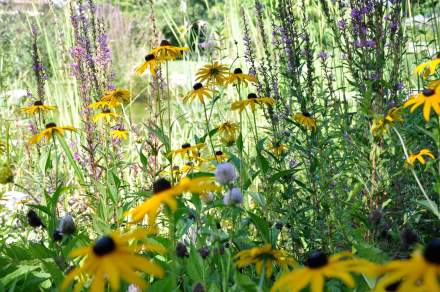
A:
(251, 101)
(319, 267)
(37, 107)
(214, 73)
(238, 77)
(116, 97)
(219, 156)
(99, 105)
(228, 132)
(119, 133)
(107, 115)
(110, 259)
(278, 149)
(264, 255)
(167, 52)
(163, 192)
(430, 97)
(50, 130)
(380, 124)
(198, 91)
(306, 120)
(150, 62)
(419, 156)
(187, 149)
(429, 67)
(419, 273)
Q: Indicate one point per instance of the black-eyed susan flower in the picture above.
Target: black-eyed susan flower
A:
(119, 133)
(278, 149)
(219, 156)
(306, 120)
(412, 158)
(318, 267)
(38, 107)
(228, 132)
(107, 115)
(238, 77)
(251, 101)
(99, 105)
(164, 193)
(429, 67)
(151, 62)
(167, 52)
(419, 273)
(381, 124)
(116, 97)
(199, 92)
(50, 130)
(188, 149)
(110, 259)
(214, 73)
(429, 97)
(265, 256)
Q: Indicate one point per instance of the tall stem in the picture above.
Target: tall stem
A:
(207, 128)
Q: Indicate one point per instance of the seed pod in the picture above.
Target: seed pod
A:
(181, 250)
(67, 225)
(6, 174)
(33, 219)
(204, 252)
(199, 288)
(57, 235)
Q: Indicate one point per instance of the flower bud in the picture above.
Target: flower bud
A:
(6, 174)
(233, 197)
(225, 173)
(199, 288)
(33, 219)
(67, 225)
(204, 252)
(181, 250)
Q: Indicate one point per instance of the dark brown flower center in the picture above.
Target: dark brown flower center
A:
(164, 43)
(106, 111)
(197, 86)
(51, 125)
(38, 103)
(432, 251)
(149, 57)
(252, 96)
(161, 185)
(317, 260)
(186, 146)
(306, 114)
(238, 71)
(104, 245)
(438, 55)
(428, 92)
(219, 153)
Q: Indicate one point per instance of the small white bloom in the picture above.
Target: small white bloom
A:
(225, 173)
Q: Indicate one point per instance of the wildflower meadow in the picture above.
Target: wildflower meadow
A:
(207, 145)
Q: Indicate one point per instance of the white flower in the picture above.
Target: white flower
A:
(225, 173)
(12, 200)
(233, 197)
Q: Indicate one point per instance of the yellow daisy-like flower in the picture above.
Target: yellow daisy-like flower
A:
(107, 115)
(264, 255)
(419, 273)
(278, 149)
(188, 149)
(252, 101)
(166, 51)
(50, 130)
(419, 157)
(381, 124)
(163, 192)
(319, 267)
(228, 132)
(238, 77)
(38, 107)
(119, 133)
(429, 97)
(151, 62)
(100, 105)
(429, 67)
(219, 156)
(199, 92)
(112, 258)
(214, 73)
(116, 97)
(306, 120)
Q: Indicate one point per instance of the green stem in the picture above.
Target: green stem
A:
(207, 128)
(262, 276)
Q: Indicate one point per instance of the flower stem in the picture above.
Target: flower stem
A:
(263, 274)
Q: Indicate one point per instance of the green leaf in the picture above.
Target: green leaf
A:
(261, 225)
(78, 172)
(195, 266)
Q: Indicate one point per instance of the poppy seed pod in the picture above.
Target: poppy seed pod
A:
(6, 174)
(67, 225)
